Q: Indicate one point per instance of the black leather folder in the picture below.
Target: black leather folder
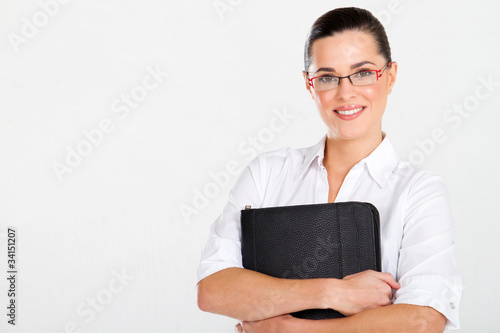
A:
(329, 240)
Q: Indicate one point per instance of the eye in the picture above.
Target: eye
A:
(364, 74)
(327, 79)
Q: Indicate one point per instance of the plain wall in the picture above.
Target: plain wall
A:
(112, 196)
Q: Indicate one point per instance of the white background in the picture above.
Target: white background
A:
(231, 69)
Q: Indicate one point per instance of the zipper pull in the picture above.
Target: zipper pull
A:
(248, 207)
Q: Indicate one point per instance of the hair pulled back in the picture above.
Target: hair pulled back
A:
(344, 19)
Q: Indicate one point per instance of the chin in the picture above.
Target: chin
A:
(350, 133)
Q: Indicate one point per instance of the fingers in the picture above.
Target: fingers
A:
(389, 279)
(386, 277)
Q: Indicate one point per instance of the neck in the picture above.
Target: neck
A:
(341, 155)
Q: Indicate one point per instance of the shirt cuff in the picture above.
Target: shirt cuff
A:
(435, 292)
(219, 254)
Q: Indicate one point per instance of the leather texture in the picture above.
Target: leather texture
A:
(330, 240)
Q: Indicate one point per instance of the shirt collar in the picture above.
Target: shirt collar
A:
(380, 163)
(316, 152)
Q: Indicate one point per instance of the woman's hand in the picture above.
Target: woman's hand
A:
(355, 293)
(366, 290)
(279, 324)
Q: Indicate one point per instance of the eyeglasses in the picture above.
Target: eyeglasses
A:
(361, 78)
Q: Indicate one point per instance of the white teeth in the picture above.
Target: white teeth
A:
(348, 113)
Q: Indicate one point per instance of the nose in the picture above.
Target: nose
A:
(345, 89)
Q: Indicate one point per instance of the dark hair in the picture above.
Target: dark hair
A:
(343, 19)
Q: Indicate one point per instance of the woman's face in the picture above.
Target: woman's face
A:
(344, 54)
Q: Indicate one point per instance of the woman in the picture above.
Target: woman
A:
(349, 74)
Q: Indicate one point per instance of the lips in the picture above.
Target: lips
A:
(348, 112)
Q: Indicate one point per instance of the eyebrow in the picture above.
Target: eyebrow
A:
(353, 66)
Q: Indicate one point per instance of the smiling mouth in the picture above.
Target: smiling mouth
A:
(349, 112)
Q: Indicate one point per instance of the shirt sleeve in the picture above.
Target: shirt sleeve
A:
(223, 248)
(427, 269)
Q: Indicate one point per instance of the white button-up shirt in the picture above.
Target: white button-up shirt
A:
(414, 208)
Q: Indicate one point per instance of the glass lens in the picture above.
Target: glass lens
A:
(364, 78)
(326, 82)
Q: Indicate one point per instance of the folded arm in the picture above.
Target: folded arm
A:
(397, 318)
(248, 295)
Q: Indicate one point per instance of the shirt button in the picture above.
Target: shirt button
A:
(452, 305)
